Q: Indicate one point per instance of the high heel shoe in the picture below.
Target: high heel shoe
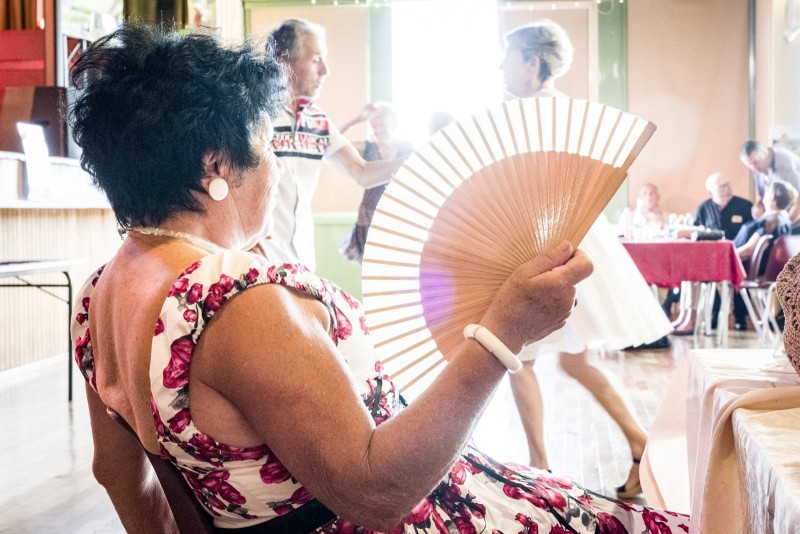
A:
(684, 330)
(624, 492)
(682, 316)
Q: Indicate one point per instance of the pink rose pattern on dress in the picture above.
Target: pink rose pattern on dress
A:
(176, 374)
(215, 492)
(223, 476)
(79, 331)
(273, 472)
(197, 302)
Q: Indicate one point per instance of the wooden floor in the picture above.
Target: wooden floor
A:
(45, 458)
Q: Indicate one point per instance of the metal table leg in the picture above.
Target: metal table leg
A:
(69, 336)
(724, 313)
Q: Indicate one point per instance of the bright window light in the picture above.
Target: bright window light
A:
(444, 58)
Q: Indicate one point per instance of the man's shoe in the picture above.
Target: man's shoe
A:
(740, 327)
(661, 343)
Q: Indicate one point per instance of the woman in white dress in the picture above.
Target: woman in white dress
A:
(615, 306)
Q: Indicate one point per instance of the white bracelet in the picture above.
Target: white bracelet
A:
(490, 342)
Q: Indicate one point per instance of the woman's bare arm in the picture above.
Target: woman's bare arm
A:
(366, 173)
(121, 467)
(364, 114)
(273, 358)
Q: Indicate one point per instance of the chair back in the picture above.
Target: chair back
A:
(190, 516)
(783, 249)
(758, 260)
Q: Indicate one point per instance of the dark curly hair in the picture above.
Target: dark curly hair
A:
(152, 102)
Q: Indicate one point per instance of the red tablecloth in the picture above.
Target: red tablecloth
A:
(666, 263)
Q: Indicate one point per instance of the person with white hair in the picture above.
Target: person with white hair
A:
(647, 204)
(305, 137)
(721, 211)
(615, 306)
(382, 119)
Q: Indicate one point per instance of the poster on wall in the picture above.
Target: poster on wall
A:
(786, 136)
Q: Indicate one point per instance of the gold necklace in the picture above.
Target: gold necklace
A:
(193, 239)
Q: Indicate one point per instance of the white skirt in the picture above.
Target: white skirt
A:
(616, 307)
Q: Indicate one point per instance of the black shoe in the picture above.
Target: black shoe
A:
(740, 327)
(662, 343)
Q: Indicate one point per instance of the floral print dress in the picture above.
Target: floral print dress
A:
(245, 486)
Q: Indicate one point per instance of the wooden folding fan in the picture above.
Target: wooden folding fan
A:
(480, 198)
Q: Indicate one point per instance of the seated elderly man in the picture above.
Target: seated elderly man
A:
(721, 211)
(647, 206)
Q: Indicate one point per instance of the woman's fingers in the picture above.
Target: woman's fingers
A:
(549, 260)
(579, 267)
(538, 297)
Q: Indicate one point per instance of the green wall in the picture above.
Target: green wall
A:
(613, 65)
(380, 57)
(330, 229)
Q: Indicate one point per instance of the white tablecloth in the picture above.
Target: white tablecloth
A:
(768, 449)
(690, 464)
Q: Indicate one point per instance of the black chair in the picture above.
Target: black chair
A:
(190, 516)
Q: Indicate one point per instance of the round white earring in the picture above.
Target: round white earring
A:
(218, 189)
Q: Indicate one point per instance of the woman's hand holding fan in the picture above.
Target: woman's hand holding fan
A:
(537, 298)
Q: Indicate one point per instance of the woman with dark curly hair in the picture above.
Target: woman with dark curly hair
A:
(258, 381)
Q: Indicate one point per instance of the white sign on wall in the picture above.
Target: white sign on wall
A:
(37, 161)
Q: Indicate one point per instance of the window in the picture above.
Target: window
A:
(445, 57)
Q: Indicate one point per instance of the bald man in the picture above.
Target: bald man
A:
(723, 210)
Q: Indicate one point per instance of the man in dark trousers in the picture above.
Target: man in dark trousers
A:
(727, 212)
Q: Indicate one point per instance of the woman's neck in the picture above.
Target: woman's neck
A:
(540, 88)
(201, 227)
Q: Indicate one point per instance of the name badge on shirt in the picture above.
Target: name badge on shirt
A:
(736, 218)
